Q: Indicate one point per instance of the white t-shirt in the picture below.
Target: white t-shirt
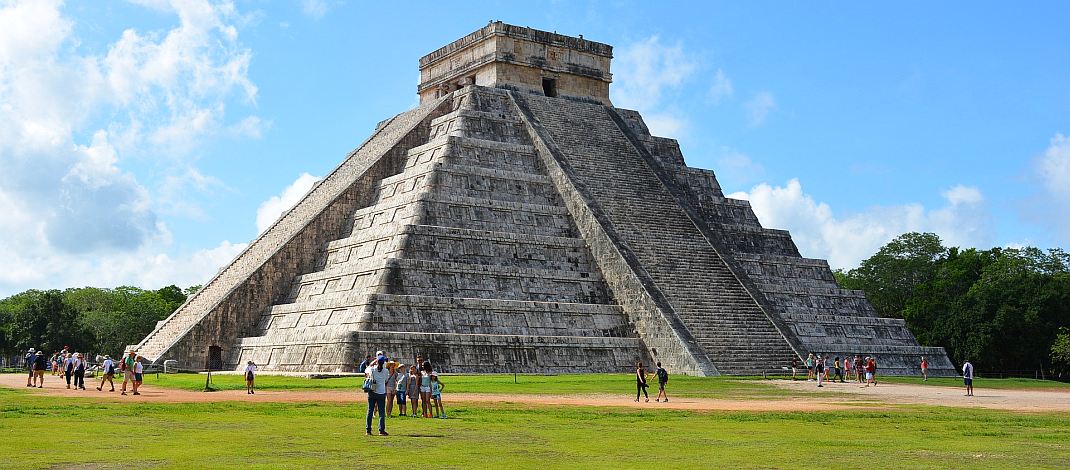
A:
(108, 365)
(967, 371)
(251, 368)
(378, 378)
(138, 367)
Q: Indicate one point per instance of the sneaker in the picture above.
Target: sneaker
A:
(657, 399)
(383, 433)
(135, 393)
(368, 432)
(100, 389)
(648, 400)
(112, 390)
(666, 400)
(124, 392)
(40, 386)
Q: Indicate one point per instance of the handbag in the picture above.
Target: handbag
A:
(368, 383)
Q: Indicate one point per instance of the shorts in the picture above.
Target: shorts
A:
(401, 397)
(837, 372)
(249, 376)
(425, 389)
(869, 375)
(968, 382)
(437, 396)
(661, 386)
(137, 377)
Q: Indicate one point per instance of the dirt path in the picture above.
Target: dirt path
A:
(856, 397)
(1035, 400)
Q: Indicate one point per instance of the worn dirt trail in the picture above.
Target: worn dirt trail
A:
(841, 396)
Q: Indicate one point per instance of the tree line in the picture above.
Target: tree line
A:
(1004, 309)
(89, 319)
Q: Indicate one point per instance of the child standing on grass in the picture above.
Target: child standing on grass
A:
(436, 395)
(250, 376)
(401, 388)
(413, 390)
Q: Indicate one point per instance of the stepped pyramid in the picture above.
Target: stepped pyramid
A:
(515, 221)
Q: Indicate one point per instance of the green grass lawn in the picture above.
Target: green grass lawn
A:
(321, 435)
(572, 384)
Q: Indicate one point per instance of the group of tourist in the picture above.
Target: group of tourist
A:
(416, 387)
(818, 369)
(72, 366)
(641, 385)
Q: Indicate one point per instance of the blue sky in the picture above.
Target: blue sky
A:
(146, 142)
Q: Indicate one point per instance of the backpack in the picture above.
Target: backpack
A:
(663, 376)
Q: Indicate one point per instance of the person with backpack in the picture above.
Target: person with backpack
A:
(250, 377)
(967, 377)
(663, 378)
(29, 358)
(109, 374)
(68, 368)
(79, 371)
(40, 363)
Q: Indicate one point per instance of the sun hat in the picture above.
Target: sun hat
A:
(31, 350)
(40, 353)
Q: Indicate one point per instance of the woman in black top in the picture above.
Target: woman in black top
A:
(640, 382)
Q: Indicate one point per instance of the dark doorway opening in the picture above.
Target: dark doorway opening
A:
(215, 358)
(549, 87)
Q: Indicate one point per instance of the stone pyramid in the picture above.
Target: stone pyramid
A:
(516, 222)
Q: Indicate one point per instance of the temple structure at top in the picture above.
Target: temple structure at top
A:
(516, 221)
(518, 58)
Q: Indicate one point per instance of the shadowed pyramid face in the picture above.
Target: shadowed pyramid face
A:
(525, 227)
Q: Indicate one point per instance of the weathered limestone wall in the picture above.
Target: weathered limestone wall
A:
(231, 303)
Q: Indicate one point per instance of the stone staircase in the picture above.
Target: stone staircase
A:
(466, 256)
(714, 306)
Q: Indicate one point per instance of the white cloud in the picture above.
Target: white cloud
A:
(1052, 170)
(314, 8)
(758, 108)
(642, 73)
(846, 240)
(270, 210)
(71, 212)
(722, 87)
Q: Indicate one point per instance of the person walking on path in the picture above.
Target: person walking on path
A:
(79, 371)
(68, 368)
(809, 367)
(250, 377)
(819, 366)
(391, 386)
(378, 374)
(640, 382)
(924, 369)
(871, 371)
(40, 364)
(109, 374)
(425, 389)
(436, 396)
(846, 368)
(28, 359)
(401, 387)
(858, 368)
(127, 367)
(139, 374)
(967, 377)
(663, 378)
(838, 372)
(794, 366)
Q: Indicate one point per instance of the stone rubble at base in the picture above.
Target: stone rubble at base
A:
(493, 229)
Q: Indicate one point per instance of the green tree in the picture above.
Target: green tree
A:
(1060, 350)
(891, 276)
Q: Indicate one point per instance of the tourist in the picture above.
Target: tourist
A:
(30, 356)
(109, 374)
(871, 368)
(967, 377)
(378, 374)
(794, 366)
(365, 363)
(846, 368)
(250, 377)
(663, 377)
(139, 374)
(924, 369)
(413, 390)
(68, 368)
(55, 361)
(819, 365)
(391, 386)
(40, 364)
(401, 388)
(839, 370)
(436, 395)
(425, 389)
(825, 366)
(810, 367)
(858, 368)
(640, 382)
(127, 367)
(79, 371)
